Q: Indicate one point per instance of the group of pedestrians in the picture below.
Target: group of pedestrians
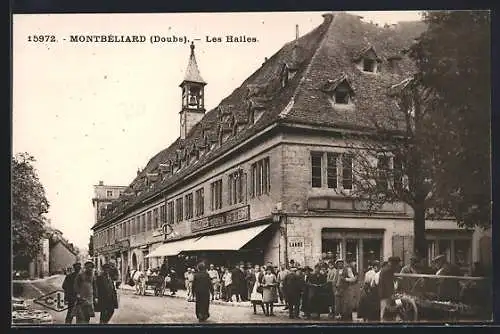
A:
(87, 292)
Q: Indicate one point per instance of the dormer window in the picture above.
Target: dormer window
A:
(369, 65)
(367, 60)
(340, 91)
(342, 96)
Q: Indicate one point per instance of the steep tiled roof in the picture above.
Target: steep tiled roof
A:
(325, 55)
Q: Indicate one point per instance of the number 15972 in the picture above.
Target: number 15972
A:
(42, 38)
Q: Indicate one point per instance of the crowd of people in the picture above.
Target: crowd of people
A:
(332, 287)
(87, 291)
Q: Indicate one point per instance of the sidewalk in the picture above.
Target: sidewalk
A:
(36, 280)
(183, 294)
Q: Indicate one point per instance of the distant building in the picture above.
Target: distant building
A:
(264, 175)
(62, 255)
(103, 196)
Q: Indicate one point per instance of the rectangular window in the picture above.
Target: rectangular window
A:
(235, 188)
(137, 225)
(253, 186)
(109, 193)
(143, 222)
(170, 212)
(341, 96)
(216, 195)
(266, 176)
(128, 227)
(316, 169)
(163, 215)
(383, 172)
(331, 165)
(260, 177)
(155, 219)
(200, 202)
(179, 210)
(347, 171)
(189, 206)
(148, 221)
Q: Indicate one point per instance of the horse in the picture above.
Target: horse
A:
(139, 279)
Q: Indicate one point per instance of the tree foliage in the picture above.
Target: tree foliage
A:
(439, 161)
(400, 167)
(453, 61)
(29, 205)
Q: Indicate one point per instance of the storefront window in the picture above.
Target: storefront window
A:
(431, 251)
(352, 252)
(462, 252)
(372, 250)
(444, 247)
(334, 246)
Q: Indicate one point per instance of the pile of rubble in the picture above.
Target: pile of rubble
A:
(22, 313)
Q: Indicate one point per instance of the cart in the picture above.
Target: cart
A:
(155, 283)
(422, 297)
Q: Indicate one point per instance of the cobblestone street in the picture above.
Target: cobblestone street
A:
(166, 310)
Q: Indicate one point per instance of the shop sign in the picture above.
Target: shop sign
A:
(117, 246)
(296, 249)
(227, 218)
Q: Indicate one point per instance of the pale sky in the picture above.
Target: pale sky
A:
(96, 111)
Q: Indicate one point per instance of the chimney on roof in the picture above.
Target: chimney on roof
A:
(265, 61)
(101, 183)
(296, 32)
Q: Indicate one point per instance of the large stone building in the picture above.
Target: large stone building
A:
(264, 175)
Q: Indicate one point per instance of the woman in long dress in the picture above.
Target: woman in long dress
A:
(256, 293)
(269, 294)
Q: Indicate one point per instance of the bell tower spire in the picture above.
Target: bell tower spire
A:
(193, 96)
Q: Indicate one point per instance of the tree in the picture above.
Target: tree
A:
(91, 246)
(453, 61)
(29, 205)
(396, 162)
(433, 151)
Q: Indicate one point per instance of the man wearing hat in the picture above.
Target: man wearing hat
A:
(343, 279)
(86, 294)
(406, 283)
(293, 286)
(108, 299)
(448, 289)
(386, 284)
(69, 291)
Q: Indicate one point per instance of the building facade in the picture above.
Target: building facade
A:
(265, 176)
(61, 256)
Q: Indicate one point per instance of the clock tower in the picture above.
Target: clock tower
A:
(193, 97)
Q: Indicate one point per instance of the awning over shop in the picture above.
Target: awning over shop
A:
(172, 248)
(233, 240)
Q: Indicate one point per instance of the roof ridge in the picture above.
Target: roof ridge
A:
(329, 18)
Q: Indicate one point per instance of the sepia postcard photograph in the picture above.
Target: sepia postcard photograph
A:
(258, 168)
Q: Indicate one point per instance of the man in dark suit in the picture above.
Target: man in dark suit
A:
(386, 284)
(108, 300)
(69, 291)
(293, 285)
(238, 281)
(202, 289)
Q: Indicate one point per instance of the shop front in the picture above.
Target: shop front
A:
(222, 239)
(115, 253)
